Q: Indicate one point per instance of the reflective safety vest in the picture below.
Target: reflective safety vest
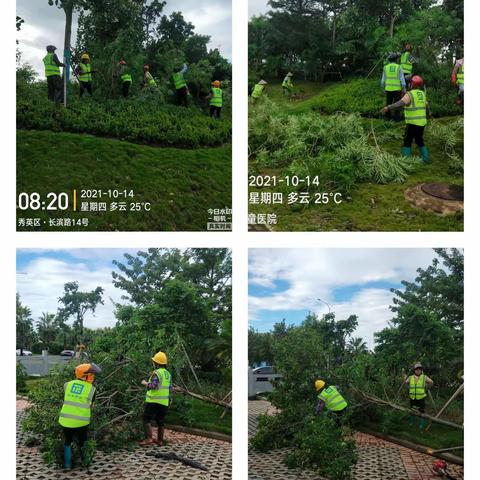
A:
(150, 80)
(85, 76)
(417, 390)
(405, 63)
(76, 404)
(416, 112)
(51, 68)
(287, 83)
(258, 90)
(333, 399)
(162, 394)
(217, 97)
(178, 80)
(392, 77)
(126, 77)
(460, 75)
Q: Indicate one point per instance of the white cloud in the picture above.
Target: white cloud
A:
(257, 7)
(41, 281)
(316, 273)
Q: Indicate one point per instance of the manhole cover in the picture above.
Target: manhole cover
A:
(444, 191)
(419, 198)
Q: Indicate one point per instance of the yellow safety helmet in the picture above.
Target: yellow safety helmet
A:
(319, 384)
(160, 358)
(85, 56)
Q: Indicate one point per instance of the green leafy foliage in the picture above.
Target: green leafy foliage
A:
(338, 148)
(449, 135)
(21, 376)
(141, 120)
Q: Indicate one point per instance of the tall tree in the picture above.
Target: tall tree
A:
(76, 304)
(47, 330)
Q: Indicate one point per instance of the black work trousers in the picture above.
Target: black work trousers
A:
(86, 87)
(182, 94)
(413, 132)
(79, 434)
(55, 88)
(394, 97)
(215, 111)
(126, 88)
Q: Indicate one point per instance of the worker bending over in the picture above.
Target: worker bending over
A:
(180, 84)
(259, 89)
(84, 73)
(416, 109)
(331, 399)
(52, 72)
(216, 99)
(393, 83)
(157, 399)
(76, 411)
(287, 84)
(417, 385)
(148, 80)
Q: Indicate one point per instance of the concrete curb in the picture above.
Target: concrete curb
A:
(413, 446)
(200, 433)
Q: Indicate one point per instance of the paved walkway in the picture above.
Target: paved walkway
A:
(133, 464)
(377, 459)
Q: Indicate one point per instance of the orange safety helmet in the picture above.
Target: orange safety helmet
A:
(216, 84)
(416, 81)
(122, 62)
(87, 371)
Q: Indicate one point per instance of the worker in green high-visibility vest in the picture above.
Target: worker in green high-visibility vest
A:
(330, 399)
(407, 60)
(393, 82)
(180, 85)
(216, 99)
(148, 80)
(416, 108)
(259, 90)
(84, 73)
(458, 80)
(157, 400)
(287, 84)
(418, 384)
(125, 77)
(54, 77)
(75, 414)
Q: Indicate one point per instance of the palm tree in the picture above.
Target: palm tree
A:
(357, 345)
(47, 329)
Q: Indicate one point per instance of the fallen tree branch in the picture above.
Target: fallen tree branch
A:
(204, 398)
(384, 403)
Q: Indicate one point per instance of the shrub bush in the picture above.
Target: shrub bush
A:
(142, 119)
(21, 378)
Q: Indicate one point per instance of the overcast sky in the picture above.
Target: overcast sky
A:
(41, 275)
(257, 7)
(285, 283)
(45, 25)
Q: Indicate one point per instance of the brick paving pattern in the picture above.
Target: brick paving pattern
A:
(133, 464)
(378, 459)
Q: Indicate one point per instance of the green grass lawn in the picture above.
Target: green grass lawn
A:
(371, 206)
(190, 412)
(437, 437)
(181, 184)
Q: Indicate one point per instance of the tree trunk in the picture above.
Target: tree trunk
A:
(334, 32)
(392, 25)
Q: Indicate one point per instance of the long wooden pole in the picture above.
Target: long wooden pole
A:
(453, 397)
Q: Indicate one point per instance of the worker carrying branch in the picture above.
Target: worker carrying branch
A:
(393, 83)
(76, 411)
(458, 80)
(216, 99)
(180, 84)
(416, 109)
(287, 84)
(52, 72)
(417, 385)
(148, 80)
(84, 73)
(259, 90)
(331, 399)
(157, 400)
(125, 77)
(407, 60)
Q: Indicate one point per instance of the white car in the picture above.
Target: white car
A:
(26, 353)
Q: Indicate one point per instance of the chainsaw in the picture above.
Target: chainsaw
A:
(441, 470)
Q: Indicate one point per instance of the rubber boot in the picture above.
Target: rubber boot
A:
(406, 151)
(67, 457)
(425, 154)
(421, 423)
